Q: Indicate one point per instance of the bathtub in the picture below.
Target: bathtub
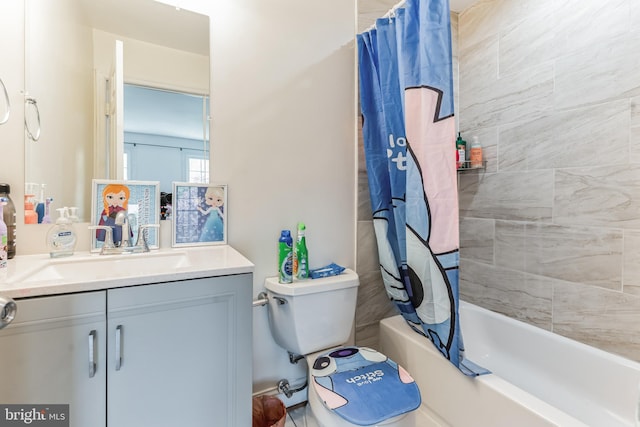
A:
(538, 378)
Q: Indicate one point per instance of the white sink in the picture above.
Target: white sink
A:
(105, 267)
(38, 274)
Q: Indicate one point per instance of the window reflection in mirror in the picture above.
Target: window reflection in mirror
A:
(165, 136)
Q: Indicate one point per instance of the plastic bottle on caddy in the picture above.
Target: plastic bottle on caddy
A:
(9, 217)
(285, 257)
(476, 153)
(461, 148)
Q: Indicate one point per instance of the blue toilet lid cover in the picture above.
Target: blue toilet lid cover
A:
(363, 386)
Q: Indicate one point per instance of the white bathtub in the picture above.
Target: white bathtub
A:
(538, 378)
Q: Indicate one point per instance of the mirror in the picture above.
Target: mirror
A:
(69, 60)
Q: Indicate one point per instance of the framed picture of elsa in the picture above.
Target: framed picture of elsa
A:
(125, 205)
(199, 214)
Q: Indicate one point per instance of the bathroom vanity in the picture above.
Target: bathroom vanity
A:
(157, 339)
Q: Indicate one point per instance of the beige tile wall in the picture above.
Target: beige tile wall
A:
(550, 233)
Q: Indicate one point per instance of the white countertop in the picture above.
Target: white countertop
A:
(37, 275)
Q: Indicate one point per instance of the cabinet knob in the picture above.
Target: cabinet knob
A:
(8, 309)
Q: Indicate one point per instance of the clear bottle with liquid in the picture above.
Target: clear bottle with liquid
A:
(9, 218)
(475, 157)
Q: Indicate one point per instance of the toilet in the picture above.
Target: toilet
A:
(347, 385)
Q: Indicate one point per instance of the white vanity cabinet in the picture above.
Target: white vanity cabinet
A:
(184, 357)
(168, 354)
(45, 355)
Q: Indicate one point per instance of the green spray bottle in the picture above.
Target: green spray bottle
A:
(301, 255)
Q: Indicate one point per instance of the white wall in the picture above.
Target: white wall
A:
(283, 138)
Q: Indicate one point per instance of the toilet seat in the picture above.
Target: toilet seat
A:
(363, 386)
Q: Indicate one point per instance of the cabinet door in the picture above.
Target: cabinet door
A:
(45, 355)
(180, 354)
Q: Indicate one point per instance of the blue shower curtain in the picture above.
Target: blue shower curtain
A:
(406, 96)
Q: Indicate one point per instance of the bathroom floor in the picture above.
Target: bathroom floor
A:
(295, 417)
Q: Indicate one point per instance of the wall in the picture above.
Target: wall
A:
(550, 234)
(283, 139)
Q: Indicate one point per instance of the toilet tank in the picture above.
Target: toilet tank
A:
(313, 314)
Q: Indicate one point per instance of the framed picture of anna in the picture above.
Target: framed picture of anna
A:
(123, 205)
(199, 214)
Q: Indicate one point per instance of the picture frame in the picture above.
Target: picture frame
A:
(140, 200)
(199, 214)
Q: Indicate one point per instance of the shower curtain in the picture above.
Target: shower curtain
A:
(406, 95)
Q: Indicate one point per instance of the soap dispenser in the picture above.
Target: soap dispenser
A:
(73, 214)
(61, 238)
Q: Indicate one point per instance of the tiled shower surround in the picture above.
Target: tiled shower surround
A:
(550, 232)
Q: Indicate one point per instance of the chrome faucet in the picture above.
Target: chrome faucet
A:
(142, 242)
(126, 247)
(122, 219)
(108, 247)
